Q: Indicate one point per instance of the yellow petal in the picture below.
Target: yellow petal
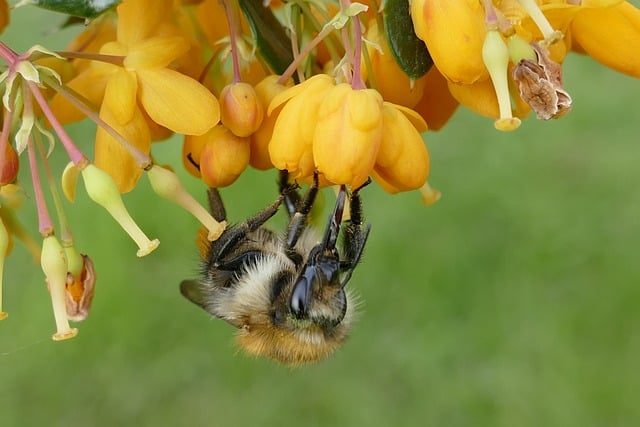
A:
(454, 30)
(403, 159)
(347, 134)
(480, 97)
(177, 102)
(156, 52)
(112, 158)
(140, 19)
(69, 181)
(290, 145)
(314, 84)
(611, 36)
(120, 95)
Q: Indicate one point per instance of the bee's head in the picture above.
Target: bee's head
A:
(309, 314)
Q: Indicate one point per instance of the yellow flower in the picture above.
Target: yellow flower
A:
(143, 86)
(470, 42)
(291, 145)
(347, 134)
(453, 30)
(402, 162)
(610, 35)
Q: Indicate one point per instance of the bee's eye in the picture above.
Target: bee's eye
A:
(299, 298)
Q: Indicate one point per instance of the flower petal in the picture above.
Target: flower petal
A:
(120, 95)
(611, 36)
(112, 158)
(156, 52)
(177, 102)
(139, 19)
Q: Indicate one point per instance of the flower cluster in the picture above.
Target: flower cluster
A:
(337, 88)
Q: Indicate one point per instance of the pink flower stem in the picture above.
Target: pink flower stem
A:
(356, 81)
(490, 16)
(7, 54)
(143, 160)
(230, 10)
(74, 153)
(65, 231)
(45, 225)
(286, 75)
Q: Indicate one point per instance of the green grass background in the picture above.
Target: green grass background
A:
(514, 301)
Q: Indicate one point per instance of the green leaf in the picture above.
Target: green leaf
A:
(410, 52)
(273, 43)
(80, 8)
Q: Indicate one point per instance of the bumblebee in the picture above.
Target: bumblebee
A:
(285, 292)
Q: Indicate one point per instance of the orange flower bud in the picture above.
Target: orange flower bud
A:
(240, 109)
(191, 151)
(224, 157)
(348, 133)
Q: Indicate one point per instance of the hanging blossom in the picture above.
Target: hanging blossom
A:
(502, 58)
(334, 87)
(27, 119)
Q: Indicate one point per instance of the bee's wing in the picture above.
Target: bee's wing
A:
(193, 291)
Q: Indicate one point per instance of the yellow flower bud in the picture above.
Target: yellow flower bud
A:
(347, 134)
(54, 265)
(290, 147)
(403, 159)
(224, 157)
(166, 184)
(240, 109)
(103, 190)
(191, 151)
(454, 31)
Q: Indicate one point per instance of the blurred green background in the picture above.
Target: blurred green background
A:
(511, 302)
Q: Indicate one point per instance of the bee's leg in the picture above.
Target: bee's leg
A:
(355, 236)
(216, 207)
(298, 221)
(333, 227)
(233, 235)
(289, 190)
